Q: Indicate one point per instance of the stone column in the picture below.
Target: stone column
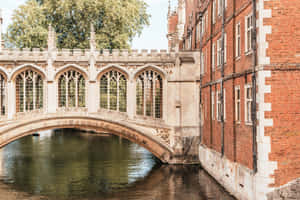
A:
(131, 98)
(11, 99)
(92, 103)
(51, 97)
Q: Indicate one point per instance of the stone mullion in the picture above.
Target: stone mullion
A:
(118, 92)
(153, 94)
(144, 94)
(76, 90)
(67, 91)
(108, 92)
(34, 91)
(24, 93)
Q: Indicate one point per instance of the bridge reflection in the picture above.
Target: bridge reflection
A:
(83, 176)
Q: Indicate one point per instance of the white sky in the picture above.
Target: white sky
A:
(152, 37)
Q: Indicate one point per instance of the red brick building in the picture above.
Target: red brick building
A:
(249, 91)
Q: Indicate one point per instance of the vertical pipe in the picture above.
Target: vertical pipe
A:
(222, 77)
(233, 81)
(211, 72)
(200, 81)
(253, 111)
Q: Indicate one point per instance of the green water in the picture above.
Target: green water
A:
(69, 164)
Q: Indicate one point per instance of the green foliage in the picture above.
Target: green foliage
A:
(116, 23)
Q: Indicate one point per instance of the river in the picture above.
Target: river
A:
(70, 164)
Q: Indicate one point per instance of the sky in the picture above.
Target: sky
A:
(152, 37)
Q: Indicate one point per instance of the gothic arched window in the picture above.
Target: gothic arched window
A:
(71, 89)
(113, 91)
(2, 95)
(149, 87)
(29, 91)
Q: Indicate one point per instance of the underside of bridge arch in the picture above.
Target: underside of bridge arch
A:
(157, 147)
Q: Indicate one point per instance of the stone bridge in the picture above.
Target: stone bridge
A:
(139, 95)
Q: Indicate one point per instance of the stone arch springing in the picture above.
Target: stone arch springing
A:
(149, 93)
(29, 91)
(71, 89)
(113, 91)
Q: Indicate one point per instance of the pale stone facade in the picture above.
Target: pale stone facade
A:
(163, 134)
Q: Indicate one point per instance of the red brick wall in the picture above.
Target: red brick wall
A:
(284, 53)
(237, 136)
(285, 134)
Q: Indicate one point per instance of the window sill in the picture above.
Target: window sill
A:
(237, 58)
(238, 122)
(249, 52)
(248, 123)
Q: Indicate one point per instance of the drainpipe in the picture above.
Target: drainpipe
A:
(200, 81)
(254, 63)
(222, 78)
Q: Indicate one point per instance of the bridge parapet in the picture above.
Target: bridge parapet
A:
(104, 55)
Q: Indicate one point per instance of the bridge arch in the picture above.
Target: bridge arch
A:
(15, 72)
(141, 136)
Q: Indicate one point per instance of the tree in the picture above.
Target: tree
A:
(116, 23)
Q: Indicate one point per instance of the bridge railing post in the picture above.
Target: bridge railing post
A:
(92, 103)
(51, 97)
(11, 106)
(131, 98)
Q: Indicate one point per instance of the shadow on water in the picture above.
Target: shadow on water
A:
(79, 166)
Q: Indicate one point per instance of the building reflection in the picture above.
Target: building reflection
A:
(81, 166)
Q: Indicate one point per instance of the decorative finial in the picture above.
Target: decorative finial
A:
(51, 38)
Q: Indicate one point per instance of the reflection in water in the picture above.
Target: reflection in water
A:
(74, 165)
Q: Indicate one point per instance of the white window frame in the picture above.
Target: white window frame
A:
(224, 104)
(225, 48)
(218, 105)
(203, 24)
(213, 63)
(213, 105)
(219, 52)
(248, 33)
(220, 7)
(214, 11)
(248, 105)
(237, 104)
(238, 40)
(202, 62)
